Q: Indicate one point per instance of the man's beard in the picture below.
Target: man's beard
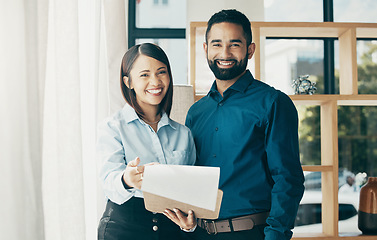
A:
(228, 73)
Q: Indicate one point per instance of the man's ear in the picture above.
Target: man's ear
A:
(205, 47)
(251, 50)
(125, 80)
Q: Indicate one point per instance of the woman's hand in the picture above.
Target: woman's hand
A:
(186, 222)
(133, 176)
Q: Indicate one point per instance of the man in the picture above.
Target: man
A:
(250, 131)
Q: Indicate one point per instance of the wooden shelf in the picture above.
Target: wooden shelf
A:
(345, 236)
(342, 100)
(318, 168)
(314, 29)
(347, 34)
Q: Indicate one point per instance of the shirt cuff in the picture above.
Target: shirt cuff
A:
(124, 183)
(190, 230)
(122, 188)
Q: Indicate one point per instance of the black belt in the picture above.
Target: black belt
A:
(233, 224)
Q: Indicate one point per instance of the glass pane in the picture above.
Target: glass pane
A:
(309, 135)
(308, 219)
(355, 11)
(286, 60)
(357, 155)
(176, 50)
(293, 11)
(358, 139)
(203, 74)
(160, 13)
(336, 66)
(348, 199)
(367, 66)
(309, 214)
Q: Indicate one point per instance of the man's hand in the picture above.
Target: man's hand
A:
(186, 222)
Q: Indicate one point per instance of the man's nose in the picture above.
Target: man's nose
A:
(225, 53)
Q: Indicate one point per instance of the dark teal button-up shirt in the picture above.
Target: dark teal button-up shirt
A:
(251, 133)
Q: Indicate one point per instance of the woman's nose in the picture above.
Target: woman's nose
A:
(155, 80)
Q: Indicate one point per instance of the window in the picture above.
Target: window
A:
(293, 11)
(285, 59)
(151, 21)
(355, 11)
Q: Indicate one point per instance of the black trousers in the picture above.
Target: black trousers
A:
(257, 233)
(132, 221)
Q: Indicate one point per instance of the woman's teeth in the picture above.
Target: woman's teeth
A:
(154, 91)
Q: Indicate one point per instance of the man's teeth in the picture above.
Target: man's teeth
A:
(154, 91)
(225, 63)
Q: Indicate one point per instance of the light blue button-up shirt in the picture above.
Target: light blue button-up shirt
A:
(124, 136)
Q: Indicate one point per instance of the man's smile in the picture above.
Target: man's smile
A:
(225, 63)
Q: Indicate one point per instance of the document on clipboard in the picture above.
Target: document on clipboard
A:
(183, 187)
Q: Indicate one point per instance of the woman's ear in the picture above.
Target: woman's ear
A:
(125, 80)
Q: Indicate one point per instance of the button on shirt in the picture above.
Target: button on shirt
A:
(251, 133)
(124, 136)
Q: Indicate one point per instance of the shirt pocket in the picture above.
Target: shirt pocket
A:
(176, 157)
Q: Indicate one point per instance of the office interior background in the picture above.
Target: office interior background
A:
(60, 76)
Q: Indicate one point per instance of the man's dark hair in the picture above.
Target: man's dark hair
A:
(231, 16)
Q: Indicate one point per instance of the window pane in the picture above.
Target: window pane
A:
(176, 50)
(336, 66)
(161, 14)
(293, 11)
(286, 60)
(309, 214)
(308, 219)
(358, 139)
(355, 11)
(357, 154)
(309, 134)
(367, 66)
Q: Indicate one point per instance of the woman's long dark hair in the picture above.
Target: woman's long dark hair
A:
(153, 51)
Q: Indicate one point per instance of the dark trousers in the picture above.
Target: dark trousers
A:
(132, 221)
(257, 233)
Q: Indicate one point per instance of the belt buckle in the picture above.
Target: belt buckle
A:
(206, 223)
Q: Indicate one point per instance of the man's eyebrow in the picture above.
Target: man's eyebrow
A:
(232, 41)
(236, 40)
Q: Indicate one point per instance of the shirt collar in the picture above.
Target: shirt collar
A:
(243, 82)
(165, 120)
(130, 115)
(240, 85)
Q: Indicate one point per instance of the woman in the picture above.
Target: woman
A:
(140, 134)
